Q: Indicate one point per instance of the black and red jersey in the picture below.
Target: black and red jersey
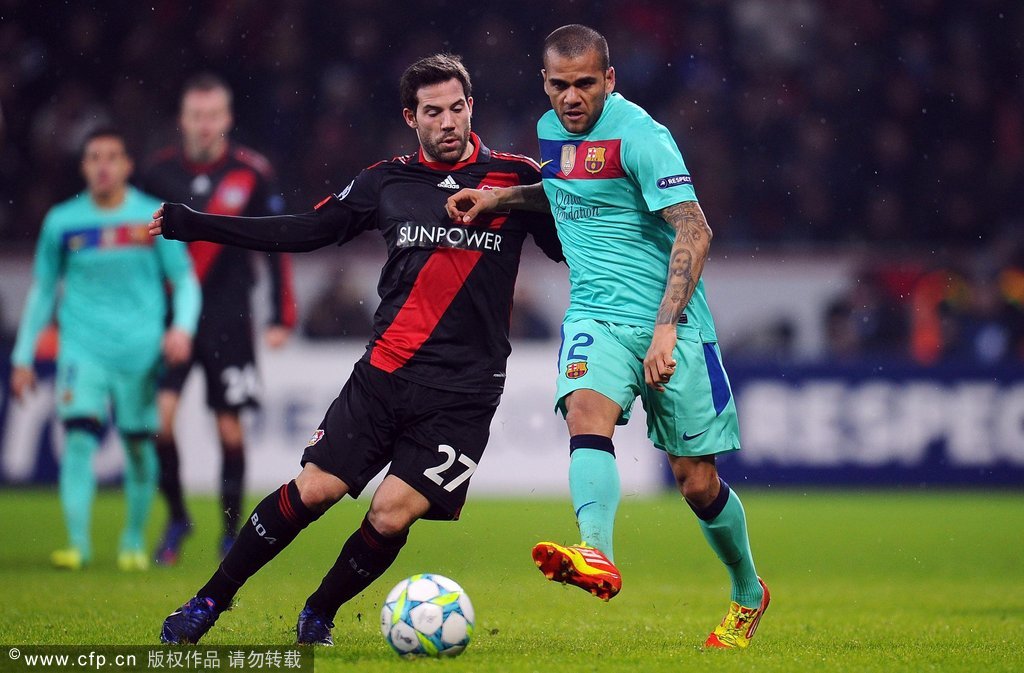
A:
(241, 182)
(446, 289)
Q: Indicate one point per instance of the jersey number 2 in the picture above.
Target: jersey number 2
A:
(434, 473)
(581, 340)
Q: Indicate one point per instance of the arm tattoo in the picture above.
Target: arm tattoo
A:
(528, 197)
(686, 261)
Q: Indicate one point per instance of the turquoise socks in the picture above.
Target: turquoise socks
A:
(724, 524)
(594, 485)
(140, 479)
(78, 487)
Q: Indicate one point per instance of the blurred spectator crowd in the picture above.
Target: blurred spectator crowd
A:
(896, 125)
(967, 309)
(849, 120)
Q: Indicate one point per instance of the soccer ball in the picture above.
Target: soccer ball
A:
(427, 615)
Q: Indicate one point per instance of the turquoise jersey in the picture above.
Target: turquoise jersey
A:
(605, 187)
(113, 302)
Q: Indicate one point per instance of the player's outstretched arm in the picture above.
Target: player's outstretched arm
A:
(466, 204)
(685, 265)
(276, 233)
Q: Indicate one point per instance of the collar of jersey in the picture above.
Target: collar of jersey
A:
(479, 154)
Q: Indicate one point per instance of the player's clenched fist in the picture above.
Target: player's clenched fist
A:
(659, 364)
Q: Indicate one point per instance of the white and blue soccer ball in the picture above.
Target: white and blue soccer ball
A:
(427, 615)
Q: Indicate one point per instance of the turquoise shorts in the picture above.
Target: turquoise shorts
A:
(86, 389)
(694, 416)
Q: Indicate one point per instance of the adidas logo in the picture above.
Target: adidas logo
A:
(449, 183)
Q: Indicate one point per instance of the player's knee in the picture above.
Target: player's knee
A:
(698, 485)
(165, 433)
(583, 418)
(394, 511)
(696, 491)
(589, 412)
(167, 406)
(390, 519)
(575, 416)
(319, 490)
(318, 499)
(229, 427)
(136, 444)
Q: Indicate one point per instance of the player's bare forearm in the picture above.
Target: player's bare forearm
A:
(686, 261)
(685, 264)
(464, 205)
(525, 197)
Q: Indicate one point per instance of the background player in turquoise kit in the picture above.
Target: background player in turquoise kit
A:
(94, 250)
(638, 323)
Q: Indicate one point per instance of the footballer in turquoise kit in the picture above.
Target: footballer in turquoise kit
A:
(638, 323)
(604, 187)
(95, 253)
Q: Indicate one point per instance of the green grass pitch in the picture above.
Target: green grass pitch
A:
(861, 581)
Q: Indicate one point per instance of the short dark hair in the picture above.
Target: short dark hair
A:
(429, 70)
(206, 81)
(576, 40)
(103, 132)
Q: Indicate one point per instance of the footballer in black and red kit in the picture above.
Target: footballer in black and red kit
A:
(239, 183)
(423, 395)
(442, 323)
(212, 173)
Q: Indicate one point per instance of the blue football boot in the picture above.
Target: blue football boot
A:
(190, 622)
(313, 629)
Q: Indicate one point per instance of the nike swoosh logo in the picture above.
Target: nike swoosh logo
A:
(545, 163)
(687, 437)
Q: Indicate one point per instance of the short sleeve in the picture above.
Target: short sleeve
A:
(652, 158)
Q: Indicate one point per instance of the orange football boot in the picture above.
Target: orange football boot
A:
(582, 566)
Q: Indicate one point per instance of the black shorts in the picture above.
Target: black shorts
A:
(433, 438)
(224, 349)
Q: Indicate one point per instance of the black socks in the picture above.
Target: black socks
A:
(274, 523)
(232, 475)
(364, 558)
(170, 479)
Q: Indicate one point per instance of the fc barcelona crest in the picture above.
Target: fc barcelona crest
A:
(568, 159)
(594, 161)
(575, 370)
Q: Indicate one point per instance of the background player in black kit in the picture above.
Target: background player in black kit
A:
(423, 395)
(213, 174)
